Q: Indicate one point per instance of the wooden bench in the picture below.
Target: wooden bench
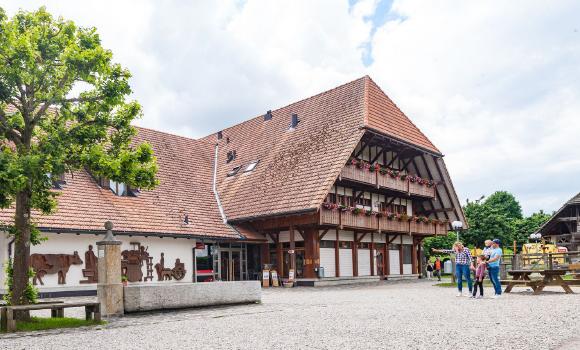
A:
(8, 322)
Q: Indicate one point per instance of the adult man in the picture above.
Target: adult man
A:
(493, 266)
(437, 267)
(487, 252)
(463, 265)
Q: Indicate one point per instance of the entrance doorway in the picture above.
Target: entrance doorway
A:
(231, 268)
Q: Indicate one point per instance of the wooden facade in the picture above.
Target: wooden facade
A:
(370, 217)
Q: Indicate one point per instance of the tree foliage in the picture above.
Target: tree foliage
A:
(63, 107)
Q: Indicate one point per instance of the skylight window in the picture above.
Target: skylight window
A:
(234, 171)
(251, 166)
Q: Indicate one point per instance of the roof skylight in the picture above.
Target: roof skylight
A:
(235, 170)
(251, 166)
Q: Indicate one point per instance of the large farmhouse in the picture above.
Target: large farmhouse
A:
(563, 228)
(338, 186)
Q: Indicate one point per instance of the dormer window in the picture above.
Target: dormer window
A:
(231, 156)
(251, 166)
(58, 181)
(118, 188)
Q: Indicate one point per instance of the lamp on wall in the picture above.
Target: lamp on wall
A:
(457, 226)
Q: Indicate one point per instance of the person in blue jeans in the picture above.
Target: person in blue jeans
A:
(493, 266)
(463, 265)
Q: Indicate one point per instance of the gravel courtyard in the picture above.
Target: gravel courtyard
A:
(387, 315)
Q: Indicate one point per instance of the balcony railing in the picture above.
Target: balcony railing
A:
(422, 190)
(420, 187)
(424, 228)
(359, 219)
(393, 225)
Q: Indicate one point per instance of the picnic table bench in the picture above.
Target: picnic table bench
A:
(550, 278)
(8, 322)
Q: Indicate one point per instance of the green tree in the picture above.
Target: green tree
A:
(526, 226)
(62, 108)
(438, 242)
(491, 217)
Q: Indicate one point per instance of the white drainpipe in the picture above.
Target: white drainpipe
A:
(216, 193)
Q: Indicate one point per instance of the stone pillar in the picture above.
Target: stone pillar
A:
(110, 287)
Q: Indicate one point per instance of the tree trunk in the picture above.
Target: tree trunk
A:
(21, 262)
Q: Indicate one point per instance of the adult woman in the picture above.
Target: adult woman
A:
(463, 265)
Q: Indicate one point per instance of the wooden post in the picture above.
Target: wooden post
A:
(414, 257)
(401, 255)
(386, 267)
(265, 254)
(355, 256)
(280, 257)
(337, 255)
(311, 252)
(292, 253)
(372, 255)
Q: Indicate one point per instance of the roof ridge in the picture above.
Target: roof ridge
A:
(166, 133)
(293, 103)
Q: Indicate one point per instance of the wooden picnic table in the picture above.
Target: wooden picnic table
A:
(551, 277)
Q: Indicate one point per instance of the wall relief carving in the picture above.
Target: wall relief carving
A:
(47, 264)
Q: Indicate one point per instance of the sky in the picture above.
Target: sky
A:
(495, 85)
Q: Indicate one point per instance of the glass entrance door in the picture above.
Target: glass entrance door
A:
(231, 267)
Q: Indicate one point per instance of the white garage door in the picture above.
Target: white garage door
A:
(394, 263)
(328, 262)
(407, 269)
(345, 261)
(364, 264)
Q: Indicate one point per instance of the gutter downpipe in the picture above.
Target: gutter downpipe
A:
(217, 195)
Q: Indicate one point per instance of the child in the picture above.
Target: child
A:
(429, 270)
(479, 275)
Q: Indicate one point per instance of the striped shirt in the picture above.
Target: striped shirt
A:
(461, 258)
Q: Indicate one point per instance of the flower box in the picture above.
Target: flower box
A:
(421, 189)
(393, 183)
(426, 228)
(393, 225)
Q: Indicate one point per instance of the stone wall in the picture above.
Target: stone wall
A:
(161, 296)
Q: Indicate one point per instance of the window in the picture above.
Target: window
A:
(345, 244)
(234, 171)
(327, 244)
(364, 245)
(118, 188)
(407, 254)
(251, 166)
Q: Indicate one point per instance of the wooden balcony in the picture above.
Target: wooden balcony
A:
(361, 221)
(378, 180)
(421, 190)
(354, 173)
(442, 229)
(423, 228)
(337, 217)
(393, 225)
(392, 183)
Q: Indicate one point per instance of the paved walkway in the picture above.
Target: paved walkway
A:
(392, 315)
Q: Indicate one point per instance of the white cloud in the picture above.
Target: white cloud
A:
(493, 84)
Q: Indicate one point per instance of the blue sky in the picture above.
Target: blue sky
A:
(495, 84)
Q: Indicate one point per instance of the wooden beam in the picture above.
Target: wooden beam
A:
(323, 234)
(377, 155)
(337, 255)
(389, 241)
(361, 237)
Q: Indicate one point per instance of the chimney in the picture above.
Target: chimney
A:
(268, 115)
(295, 121)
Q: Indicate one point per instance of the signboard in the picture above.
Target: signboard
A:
(291, 275)
(291, 251)
(266, 278)
(199, 245)
(275, 282)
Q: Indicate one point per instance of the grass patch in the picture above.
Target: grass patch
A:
(41, 323)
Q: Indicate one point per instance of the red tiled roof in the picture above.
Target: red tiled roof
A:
(297, 167)
(185, 188)
(383, 115)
